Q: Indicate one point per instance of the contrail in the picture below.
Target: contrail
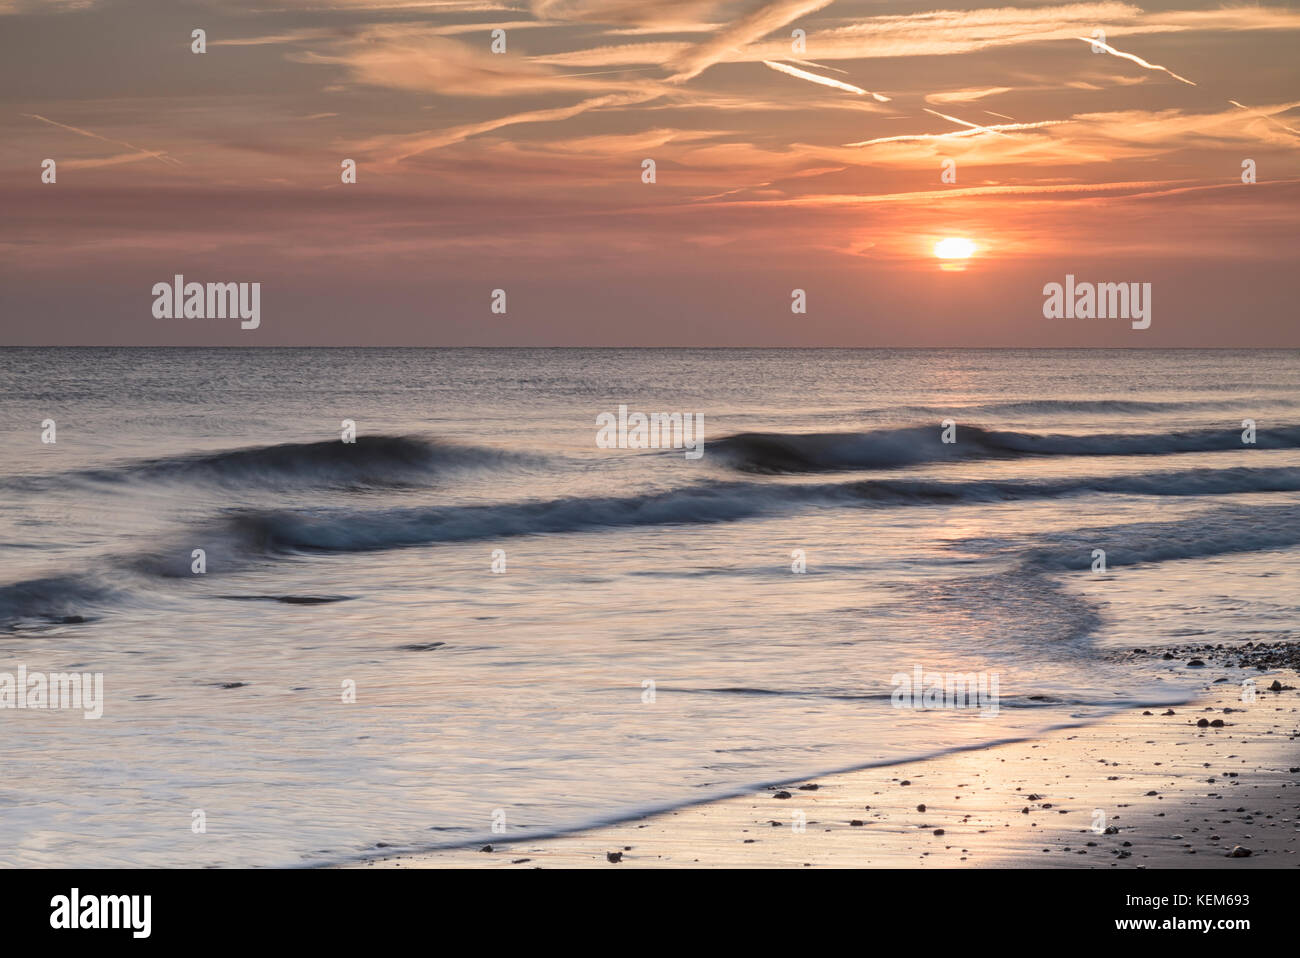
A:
(753, 26)
(416, 143)
(824, 81)
(98, 161)
(1138, 60)
(154, 153)
(1265, 116)
(956, 133)
(973, 126)
(819, 66)
(599, 73)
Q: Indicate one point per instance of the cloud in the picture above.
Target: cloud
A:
(605, 145)
(403, 58)
(660, 14)
(818, 66)
(43, 6)
(934, 33)
(1166, 130)
(1089, 138)
(974, 130)
(965, 96)
(1136, 59)
(138, 151)
(404, 146)
(1131, 187)
(377, 6)
(747, 29)
(277, 39)
(973, 126)
(824, 81)
(114, 160)
(624, 54)
(1268, 114)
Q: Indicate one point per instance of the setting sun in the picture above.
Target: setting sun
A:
(954, 248)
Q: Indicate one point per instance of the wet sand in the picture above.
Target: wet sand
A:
(1143, 788)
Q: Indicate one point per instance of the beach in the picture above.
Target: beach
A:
(1173, 794)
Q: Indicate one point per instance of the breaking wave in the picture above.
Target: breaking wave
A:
(348, 530)
(771, 452)
(248, 535)
(370, 460)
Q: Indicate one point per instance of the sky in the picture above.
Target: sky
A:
(817, 145)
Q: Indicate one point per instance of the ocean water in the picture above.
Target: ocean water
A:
(648, 643)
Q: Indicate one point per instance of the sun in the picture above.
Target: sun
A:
(954, 247)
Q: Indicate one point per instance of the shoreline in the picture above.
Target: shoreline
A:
(1145, 788)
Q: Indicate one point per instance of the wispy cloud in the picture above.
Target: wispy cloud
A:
(116, 159)
(139, 151)
(404, 146)
(824, 81)
(660, 14)
(819, 66)
(1131, 188)
(43, 6)
(1136, 59)
(966, 123)
(1268, 114)
(933, 33)
(965, 96)
(973, 131)
(747, 29)
(406, 58)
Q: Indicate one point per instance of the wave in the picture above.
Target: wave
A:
(288, 599)
(371, 460)
(249, 535)
(1218, 532)
(772, 452)
(58, 598)
(1188, 482)
(348, 530)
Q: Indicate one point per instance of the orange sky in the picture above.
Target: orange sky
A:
(776, 169)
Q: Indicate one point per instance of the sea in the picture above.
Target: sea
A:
(354, 602)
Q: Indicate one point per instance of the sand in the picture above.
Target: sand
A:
(1139, 789)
